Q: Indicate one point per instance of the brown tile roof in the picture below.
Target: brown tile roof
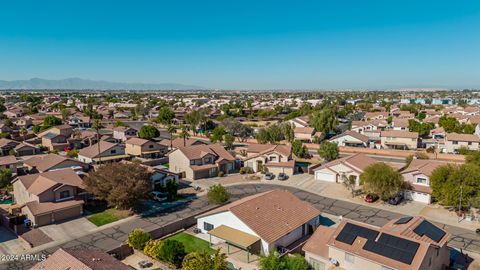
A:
(317, 244)
(399, 134)
(41, 182)
(136, 141)
(462, 137)
(7, 160)
(80, 259)
(304, 130)
(358, 162)
(271, 214)
(475, 119)
(45, 162)
(424, 166)
(352, 133)
(178, 142)
(199, 151)
(289, 164)
(261, 149)
(400, 122)
(92, 150)
(4, 142)
(406, 230)
(47, 207)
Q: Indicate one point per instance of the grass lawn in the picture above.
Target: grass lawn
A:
(192, 243)
(108, 216)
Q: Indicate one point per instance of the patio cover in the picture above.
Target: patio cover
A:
(395, 143)
(234, 236)
(110, 158)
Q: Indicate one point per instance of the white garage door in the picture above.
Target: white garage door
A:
(417, 196)
(323, 176)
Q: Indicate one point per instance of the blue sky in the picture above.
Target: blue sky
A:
(245, 44)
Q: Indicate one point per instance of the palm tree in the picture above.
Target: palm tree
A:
(185, 135)
(97, 125)
(171, 129)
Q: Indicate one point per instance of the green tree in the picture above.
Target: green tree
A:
(50, 121)
(184, 135)
(350, 183)
(172, 252)
(152, 249)
(73, 153)
(217, 134)
(288, 131)
(5, 177)
(272, 262)
(381, 179)
(171, 130)
(165, 116)
(299, 149)
(204, 261)
(328, 151)
(296, 262)
(218, 194)
(229, 139)
(138, 238)
(325, 120)
(148, 132)
(121, 184)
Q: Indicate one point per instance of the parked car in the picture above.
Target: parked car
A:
(269, 176)
(282, 176)
(395, 200)
(159, 196)
(371, 197)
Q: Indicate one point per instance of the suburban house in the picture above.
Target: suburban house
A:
(49, 197)
(144, 148)
(407, 243)
(370, 129)
(201, 161)
(274, 158)
(397, 139)
(306, 134)
(122, 134)
(350, 138)
(455, 141)
(375, 116)
(261, 223)
(349, 167)
(417, 175)
(50, 162)
(10, 163)
(6, 145)
(80, 259)
(79, 121)
(301, 121)
(102, 152)
(179, 142)
(57, 137)
(400, 124)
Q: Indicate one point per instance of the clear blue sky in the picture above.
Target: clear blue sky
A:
(245, 44)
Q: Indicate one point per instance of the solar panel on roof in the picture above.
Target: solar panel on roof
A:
(351, 231)
(393, 247)
(403, 220)
(430, 230)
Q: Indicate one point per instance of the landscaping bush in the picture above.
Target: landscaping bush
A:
(172, 252)
(218, 194)
(246, 170)
(221, 174)
(152, 249)
(138, 238)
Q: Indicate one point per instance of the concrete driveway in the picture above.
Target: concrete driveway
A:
(69, 229)
(9, 242)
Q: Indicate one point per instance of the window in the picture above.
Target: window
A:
(113, 151)
(317, 265)
(469, 143)
(273, 158)
(207, 226)
(349, 257)
(64, 194)
(192, 162)
(150, 146)
(421, 180)
(455, 142)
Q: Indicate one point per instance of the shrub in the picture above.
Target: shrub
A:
(172, 252)
(221, 174)
(245, 170)
(152, 248)
(138, 238)
(218, 194)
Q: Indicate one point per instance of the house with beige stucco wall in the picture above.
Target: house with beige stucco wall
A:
(144, 148)
(201, 161)
(408, 243)
(455, 141)
(399, 139)
(272, 158)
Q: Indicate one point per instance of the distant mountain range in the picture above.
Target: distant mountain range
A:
(81, 84)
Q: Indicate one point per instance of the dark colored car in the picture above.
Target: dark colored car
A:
(395, 200)
(269, 176)
(144, 264)
(282, 176)
(370, 198)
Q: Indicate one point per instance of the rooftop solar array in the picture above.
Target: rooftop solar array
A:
(403, 220)
(393, 247)
(351, 231)
(430, 230)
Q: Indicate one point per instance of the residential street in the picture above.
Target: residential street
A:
(112, 237)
